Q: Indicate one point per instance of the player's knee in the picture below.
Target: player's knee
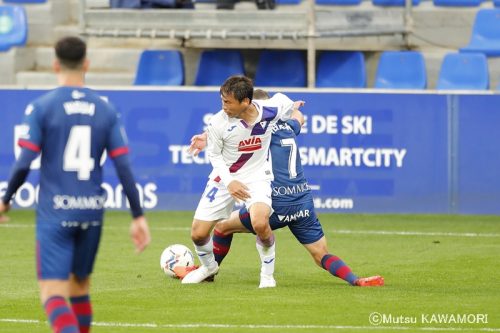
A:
(199, 237)
(261, 228)
(221, 228)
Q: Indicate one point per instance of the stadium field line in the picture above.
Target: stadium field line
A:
(416, 233)
(340, 231)
(256, 326)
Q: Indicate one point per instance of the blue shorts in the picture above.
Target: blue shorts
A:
(301, 219)
(64, 247)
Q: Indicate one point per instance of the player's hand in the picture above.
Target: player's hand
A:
(198, 143)
(4, 208)
(298, 104)
(238, 190)
(139, 232)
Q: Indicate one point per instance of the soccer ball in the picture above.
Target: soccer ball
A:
(173, 256)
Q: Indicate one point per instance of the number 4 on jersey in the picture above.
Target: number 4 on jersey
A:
(77, 157)
(211, 194)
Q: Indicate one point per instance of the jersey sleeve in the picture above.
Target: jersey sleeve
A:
(295, 125)
(19, 173)
(117, 139)
(31, 129)
(285, 106)
(214, 153)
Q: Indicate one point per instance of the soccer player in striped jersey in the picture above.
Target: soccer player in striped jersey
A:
(238, 146)
(292, 203)
(72, 126)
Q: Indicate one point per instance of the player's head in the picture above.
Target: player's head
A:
(70, 54)
(236, 94)
(260, 94)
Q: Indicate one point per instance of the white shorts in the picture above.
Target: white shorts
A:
(216, 203)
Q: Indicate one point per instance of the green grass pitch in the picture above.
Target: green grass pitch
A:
(434, 266)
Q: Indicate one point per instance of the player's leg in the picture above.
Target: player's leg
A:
(337, 266)
(309, 233)
(54, 252)
(265, 243)
(200, 235)
(87, 241)
(80, 302)
(223, 234)
(330, 262)
(259, 207)
(215, 204)
(239, 222)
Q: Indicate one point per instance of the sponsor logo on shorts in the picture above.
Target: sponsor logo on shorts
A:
(294, 217)
(80, 224)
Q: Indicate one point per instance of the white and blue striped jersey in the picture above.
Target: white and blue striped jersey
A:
(240, 151)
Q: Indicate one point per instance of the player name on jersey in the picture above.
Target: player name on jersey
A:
(79, 107)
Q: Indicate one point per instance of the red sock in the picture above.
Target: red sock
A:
(222, 244)
(83, 310)
(61, 318)
(337, 267)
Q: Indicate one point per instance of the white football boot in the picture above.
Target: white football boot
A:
(200, 274)
(267, 281)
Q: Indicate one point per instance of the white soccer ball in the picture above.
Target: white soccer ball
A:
(173, 256)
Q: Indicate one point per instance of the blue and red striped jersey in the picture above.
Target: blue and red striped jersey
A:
(72, 127)
(289, 185)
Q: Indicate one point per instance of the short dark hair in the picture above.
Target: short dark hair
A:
(260, 94)
(71, 51)
(239, 86)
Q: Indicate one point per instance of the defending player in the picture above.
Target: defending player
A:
(293, 208)
(238, 144)
(71, 127)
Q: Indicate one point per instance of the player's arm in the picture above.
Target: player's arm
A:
(214, 152)
(286, 106)
(18, 176)
(139, 230)
(237, 189)
(298, 116)
(30, 142)
(118, 151)
(198, 143)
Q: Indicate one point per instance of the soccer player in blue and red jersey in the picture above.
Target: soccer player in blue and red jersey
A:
(72, 126)
(292, 203)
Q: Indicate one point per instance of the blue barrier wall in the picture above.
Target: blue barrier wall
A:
(363, 152)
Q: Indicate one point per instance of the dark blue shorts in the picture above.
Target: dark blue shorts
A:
(301, 219)
(64, 247)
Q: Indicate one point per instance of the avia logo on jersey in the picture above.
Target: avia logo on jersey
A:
(252, 144)
(294, 217)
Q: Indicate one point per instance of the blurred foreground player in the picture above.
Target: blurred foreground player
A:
(292, 202)
(71, 127)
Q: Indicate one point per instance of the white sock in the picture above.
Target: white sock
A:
(206, 254)
(267, 258)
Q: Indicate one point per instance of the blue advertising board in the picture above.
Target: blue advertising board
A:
(477, 185)
(362, 152)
